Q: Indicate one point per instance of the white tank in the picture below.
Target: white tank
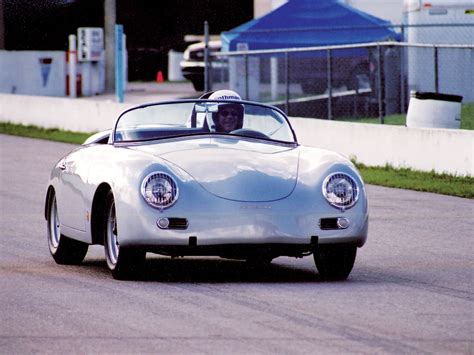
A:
(431, 110)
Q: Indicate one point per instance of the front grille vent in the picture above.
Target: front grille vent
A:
(178, 223)
(328, 223)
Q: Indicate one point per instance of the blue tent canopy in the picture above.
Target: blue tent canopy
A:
(307, 23)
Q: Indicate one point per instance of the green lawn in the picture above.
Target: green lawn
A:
(384, 176)
(52, 134)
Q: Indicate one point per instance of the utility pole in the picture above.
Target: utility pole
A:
(2, 26)
(110, 18)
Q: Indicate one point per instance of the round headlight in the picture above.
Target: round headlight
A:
(159, 190)
(341, 190)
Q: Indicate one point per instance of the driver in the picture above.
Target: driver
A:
(229, 117)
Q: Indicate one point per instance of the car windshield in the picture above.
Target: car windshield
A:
(194, 117)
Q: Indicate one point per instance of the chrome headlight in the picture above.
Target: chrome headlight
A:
(159, 190)
(341, 190)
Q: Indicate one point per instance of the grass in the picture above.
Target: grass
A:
(52, 134)
(467, 118)
(385, 176)
(406, 178)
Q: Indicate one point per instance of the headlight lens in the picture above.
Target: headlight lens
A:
(341, 190)
(159, 190)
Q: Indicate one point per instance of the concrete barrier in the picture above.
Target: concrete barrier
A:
(442, 150)
(83, 115)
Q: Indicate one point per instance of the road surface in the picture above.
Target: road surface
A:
(410, 290)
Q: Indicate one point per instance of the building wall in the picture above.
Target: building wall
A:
(33, 72)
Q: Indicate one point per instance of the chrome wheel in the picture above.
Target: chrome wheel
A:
(124, 263)
(54, 228)
(63, 249)
(112, 241)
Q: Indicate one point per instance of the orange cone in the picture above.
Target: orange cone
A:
(159, 77)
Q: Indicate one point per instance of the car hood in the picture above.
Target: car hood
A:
(235, 169)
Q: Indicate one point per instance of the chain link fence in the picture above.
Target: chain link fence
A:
(347, 81)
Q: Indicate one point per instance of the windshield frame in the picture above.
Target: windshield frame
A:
(169, 102)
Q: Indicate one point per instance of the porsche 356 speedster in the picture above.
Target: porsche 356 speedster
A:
(207, 177)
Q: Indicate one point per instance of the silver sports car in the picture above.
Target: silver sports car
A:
(208, 177)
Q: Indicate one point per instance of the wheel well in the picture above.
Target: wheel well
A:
(47, 202)
(98, 213)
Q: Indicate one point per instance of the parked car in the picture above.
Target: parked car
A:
(177, 179)
(193, 64)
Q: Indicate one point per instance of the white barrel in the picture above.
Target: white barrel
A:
(432, 110)
(174, 69)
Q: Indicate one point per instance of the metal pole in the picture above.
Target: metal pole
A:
(402, 73)
(72, 69)
(287, 83)
(246, 66)
(436, 69)
(2, 25)
(119, 62)
(379, 82)
(206, 56)
(329, 72)
(109, 34)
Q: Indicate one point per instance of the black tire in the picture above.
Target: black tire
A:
(64, 250)
(335, 262)
(124, 263)
(198, 84)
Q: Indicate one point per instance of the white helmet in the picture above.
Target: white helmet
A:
(227, 95)
(224, 95)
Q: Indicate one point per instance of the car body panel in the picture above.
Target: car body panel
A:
(232, 191)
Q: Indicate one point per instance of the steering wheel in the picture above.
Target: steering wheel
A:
(249, 133)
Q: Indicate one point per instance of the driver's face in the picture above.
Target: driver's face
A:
(228, 119)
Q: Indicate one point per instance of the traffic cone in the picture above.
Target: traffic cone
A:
(159, 77)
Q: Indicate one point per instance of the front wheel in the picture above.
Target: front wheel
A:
(124, 263)
(335, 262)
(64, 250)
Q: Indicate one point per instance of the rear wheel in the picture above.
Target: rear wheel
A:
(335, 262)
(124, 263)
(64, 250)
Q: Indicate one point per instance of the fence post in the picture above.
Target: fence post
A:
(436, 69)
(402, 72)
(379, 82)
(329, 72)
(246, 69)
(287, 84)
(206, 56)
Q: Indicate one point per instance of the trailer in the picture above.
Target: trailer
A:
(444, 70)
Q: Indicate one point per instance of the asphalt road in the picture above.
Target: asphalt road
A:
(410, 290)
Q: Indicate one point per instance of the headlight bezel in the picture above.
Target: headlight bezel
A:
(332, 198)
(168, 179)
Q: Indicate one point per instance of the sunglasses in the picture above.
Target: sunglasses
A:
(225, 113)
